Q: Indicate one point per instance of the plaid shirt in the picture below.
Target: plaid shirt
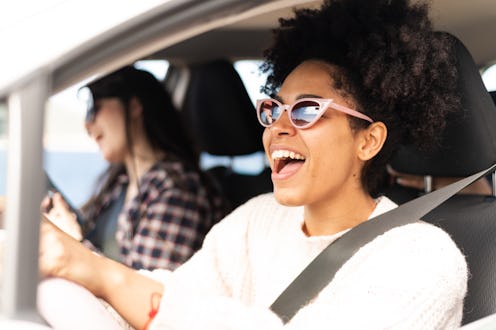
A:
(166, 223)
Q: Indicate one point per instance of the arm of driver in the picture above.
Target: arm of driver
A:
(122, 287)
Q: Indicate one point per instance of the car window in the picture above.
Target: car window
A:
(253, 78)
(489, 77)
(156, 67)
(71, 159)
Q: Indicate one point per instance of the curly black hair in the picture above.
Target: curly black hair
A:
(386, 57)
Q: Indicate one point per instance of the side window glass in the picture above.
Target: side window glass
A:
(156, 67)
(489, 78)
(252, 77)
(71, 158)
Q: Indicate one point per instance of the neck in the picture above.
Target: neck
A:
(332, 216)
(140, 161)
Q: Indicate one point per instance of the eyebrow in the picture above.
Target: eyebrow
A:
(311, 96)
(299, 97)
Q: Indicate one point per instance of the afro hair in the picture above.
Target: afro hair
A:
(388, 59)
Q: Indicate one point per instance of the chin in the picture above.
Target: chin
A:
(111, 158)
(288, 198)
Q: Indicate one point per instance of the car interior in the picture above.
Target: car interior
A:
(467, 146)
(220, 117)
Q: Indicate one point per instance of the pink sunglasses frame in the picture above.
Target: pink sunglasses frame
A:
(324, 104)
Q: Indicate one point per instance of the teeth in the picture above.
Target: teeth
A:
(278, 154)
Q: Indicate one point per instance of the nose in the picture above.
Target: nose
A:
(282, 125)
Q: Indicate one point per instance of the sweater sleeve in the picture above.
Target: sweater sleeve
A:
(412, 277)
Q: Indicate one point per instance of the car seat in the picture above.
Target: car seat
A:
(468, 145)
(223, 122)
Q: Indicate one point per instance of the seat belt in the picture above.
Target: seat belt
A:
(320, 272)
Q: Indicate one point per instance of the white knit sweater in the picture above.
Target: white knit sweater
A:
(412, 277)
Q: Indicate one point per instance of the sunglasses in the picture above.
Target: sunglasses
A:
(84, 95)
(90, 114)
(303, 113)
(92, 110)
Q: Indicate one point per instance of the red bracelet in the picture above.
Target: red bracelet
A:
(155, 304)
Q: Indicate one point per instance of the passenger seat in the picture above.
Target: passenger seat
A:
(222, 120)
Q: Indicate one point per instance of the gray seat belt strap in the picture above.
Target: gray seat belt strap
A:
(322, 269)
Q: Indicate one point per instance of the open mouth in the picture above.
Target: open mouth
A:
(286, 161)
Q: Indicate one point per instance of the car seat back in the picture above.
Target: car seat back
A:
(468, 145)
(223, 122)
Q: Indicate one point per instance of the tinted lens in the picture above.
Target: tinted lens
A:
(90, 115)
(85, 96)
(269, 112)
(304, 113)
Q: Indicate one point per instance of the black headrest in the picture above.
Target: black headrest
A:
(468, 143)
(219, 111)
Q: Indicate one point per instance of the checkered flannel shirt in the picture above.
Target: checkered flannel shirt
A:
(167, 222)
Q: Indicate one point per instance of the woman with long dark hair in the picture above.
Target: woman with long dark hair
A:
(153, 205)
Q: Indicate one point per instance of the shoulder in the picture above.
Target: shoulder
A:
(420, 236)
(417, 242)
(421, 242)
(412, 275)
(418, 255)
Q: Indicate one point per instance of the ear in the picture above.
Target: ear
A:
(371, 140)
(135, 108)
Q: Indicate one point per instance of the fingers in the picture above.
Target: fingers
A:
(60, 208)
(65, 221)
(59, 201)
(47, 223)
(46, 203)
